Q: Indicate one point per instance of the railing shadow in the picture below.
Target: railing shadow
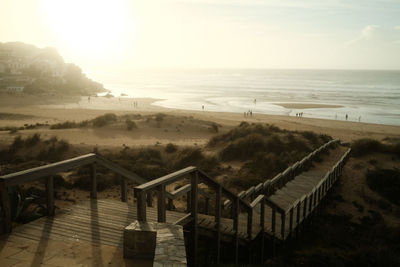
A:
(95, 233)
(43, 242)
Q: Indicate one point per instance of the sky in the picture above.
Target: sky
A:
(109, 37)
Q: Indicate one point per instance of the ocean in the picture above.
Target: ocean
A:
(371, 96)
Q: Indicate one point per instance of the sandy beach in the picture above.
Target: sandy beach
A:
(190, 132)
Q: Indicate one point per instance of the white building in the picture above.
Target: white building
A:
(17, 65)
(15, 89)
(3, 67)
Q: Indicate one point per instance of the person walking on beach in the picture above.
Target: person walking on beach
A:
(347, 116)
(359, 119)
(202, 107)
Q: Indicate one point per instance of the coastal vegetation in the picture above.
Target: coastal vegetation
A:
(363, 208)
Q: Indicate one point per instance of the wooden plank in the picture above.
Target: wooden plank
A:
(161, 203)
(236, 211)
(291, 220)
(218, 221)
(141, 205)
(119, 170)
(184, 220)
(167, 179)
(102, 223)
(32, 174)
(181, 191)
(249, 224)
(194, 210)
(262, 224)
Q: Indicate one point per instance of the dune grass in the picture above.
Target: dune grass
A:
(367, 146)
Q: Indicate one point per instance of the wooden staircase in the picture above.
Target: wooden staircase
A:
(275, 208)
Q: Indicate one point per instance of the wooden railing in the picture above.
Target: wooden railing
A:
(308, 202)
(223, 197)
(196, 177)
(196, 181)
(270, 186)
(48, 171)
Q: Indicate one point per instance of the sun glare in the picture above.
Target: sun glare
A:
(93, 27)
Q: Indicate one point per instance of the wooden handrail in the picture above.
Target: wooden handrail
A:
(119, 170)
(309, 200)
(50, 170)
(167, 179)
(277, 179)
(33, 174)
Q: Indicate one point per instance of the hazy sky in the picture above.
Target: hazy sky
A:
(106, 37)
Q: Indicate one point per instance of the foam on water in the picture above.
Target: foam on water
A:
(372, 95)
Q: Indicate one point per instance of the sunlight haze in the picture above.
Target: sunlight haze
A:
(106, 37)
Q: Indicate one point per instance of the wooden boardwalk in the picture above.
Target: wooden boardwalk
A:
(285, 198)
(98, 221)
(275, 207)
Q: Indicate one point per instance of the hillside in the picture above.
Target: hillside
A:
(31, 70)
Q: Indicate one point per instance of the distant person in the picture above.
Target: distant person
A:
(202, 107)
(336, 116)
(297, 114)
(251, 113)
(347, 116)
(255, 101)
(359, 119)
(88, 99)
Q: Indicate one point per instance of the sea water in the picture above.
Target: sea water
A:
(364, 95)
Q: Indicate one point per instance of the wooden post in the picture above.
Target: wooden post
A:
(207, 205)
(50, 195)
(170, 204)
(305, 208)
(161, 203)
(236, 212)
(149, 199)
(188, 202)
(291, 220)
(283, 217)
(273, 229)
(5, 204)
(262, 224)
(93, 181)
(141, 205)
(124, 189)
(298, 219)
(249, 223)
(315, 195)
(218, 220)
(194, 199)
